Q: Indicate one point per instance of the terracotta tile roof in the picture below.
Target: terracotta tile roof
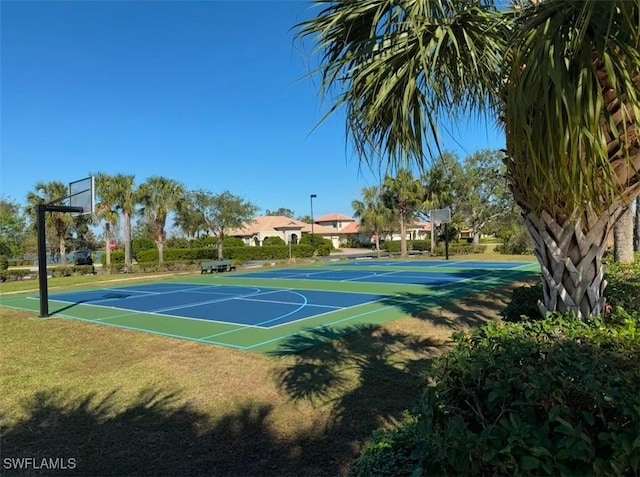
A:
(320, 230)
(268, 223)
(352, 228)
(420, 226)
(334, 218)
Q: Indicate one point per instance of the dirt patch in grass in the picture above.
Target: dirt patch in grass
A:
(120, 402)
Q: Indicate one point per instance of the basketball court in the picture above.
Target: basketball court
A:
(258, 310)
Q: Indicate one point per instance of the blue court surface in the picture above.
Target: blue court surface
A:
(238, 305)
(456, 264)
(432, 279)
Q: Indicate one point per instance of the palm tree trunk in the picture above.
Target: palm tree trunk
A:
(570, 255)
(107, 248)
(160, 244)
(623, 237)
(127, 243)
(63, 249)
(403, 234)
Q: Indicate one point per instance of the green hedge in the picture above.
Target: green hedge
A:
(71, 270)
(390, 453)
(455, 248)
(239, 254)
(549, 397)
(14, 274)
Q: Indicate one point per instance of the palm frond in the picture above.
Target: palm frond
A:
(398, 66)
(566, 56)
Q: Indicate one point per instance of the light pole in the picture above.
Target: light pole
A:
(313, 244)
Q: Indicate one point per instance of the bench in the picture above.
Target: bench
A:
(219, 266)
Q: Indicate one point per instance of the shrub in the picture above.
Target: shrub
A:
(15, 274)
(178, 242)
(4, 262)
(389, 454)
(422, 245)
(524, 304)
(394, 246)
(141, 244)
(516, 240)
(318, 241)
(549, 397)
(624, 285)
(457, 248)
(116, 258)
(268, 241)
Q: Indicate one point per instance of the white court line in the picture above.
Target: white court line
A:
(375, 274)
(262, 323)
(207, 302)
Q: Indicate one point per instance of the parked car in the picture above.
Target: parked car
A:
(83, 257)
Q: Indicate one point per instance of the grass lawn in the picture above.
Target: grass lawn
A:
(118, 402)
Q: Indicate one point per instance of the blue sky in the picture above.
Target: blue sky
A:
(210, 93)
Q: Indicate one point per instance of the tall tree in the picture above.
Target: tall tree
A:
(563, 79)
(305, 218)
(404, 195)
(374, 216)
(159, 196)
(485, 196)
(281, 211)
(125, 198)
(106, 202)
(443, 182)
(13, 226)
(52, 193)
(222, 212)
(188, 219)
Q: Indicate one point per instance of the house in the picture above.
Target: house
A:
(254, 233)
(335, 227)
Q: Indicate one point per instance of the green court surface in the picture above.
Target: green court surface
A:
(258, 310)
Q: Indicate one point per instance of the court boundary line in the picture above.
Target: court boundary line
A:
(495, 281)
(159, 312)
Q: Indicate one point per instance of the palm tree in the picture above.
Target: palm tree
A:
(560, 76)
(159, 196)
(52, 193)
(442, 183)
(373, 214)
(125, 198)
(404, 195)
(105, 210)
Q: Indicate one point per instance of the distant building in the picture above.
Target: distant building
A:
(337, 228)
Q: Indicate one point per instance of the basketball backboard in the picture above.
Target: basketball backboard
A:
(440, 216)
(82, 193)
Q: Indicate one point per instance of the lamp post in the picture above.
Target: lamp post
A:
(313, 244)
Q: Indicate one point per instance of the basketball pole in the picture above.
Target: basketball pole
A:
(42, 251)
(446, 240)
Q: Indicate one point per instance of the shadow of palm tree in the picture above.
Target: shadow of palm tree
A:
(103, 439)
(387, 369)
(469, 304)
(154, 436)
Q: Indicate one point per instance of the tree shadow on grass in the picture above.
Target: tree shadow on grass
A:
(368, 375)
(154, 436)
(461, 306)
